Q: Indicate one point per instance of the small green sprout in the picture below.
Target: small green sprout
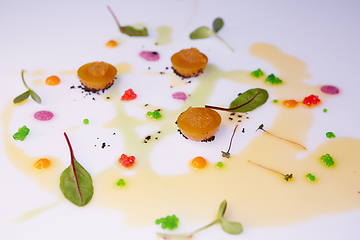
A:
(28, 93)
(228, 227)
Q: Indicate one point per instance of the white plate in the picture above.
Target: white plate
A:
(54, 37)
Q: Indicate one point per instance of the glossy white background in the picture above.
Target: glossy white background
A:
(62, 35)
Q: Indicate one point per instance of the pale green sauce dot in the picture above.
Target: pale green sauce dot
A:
(275, 101)
(86, 121)
(219, 165)
(324, 110)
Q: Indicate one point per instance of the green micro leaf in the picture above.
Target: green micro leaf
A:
(26, 94)
(22, 97)
(231, 227)
(35, 96)
(217, 24)
(222, 209)
(129, 30)
(201, 32)
(75, 181)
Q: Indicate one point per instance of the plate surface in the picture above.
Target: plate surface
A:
(56, 38)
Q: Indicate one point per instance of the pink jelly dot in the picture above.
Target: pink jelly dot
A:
(43, 115)
(328, 89)
(179, 95)
(150, 56)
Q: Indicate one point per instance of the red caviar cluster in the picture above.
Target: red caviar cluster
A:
(126, 161)
(128, 95)
(312, 99)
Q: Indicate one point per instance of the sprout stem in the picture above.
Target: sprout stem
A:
(261, 127)
(223, 41)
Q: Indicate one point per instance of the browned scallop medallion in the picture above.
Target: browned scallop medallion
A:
(189, 62)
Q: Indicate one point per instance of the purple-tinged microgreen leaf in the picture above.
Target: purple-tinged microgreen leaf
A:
(129, 30)
(246, 101)
(75, 181)
(227, 154)
(228, 227)
(26, 94)
(261, 127)
(205, 32)
(287, 177)
(217, 24)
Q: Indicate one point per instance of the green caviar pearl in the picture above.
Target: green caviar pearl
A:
(327, 160)
(170, 222)
(330, 135)
(120, 183)
(324, 110)
(310, 177)
(273, 80)
(86, 121)
(275, 101)
(257, 73)
(219, 165)
(155, 114)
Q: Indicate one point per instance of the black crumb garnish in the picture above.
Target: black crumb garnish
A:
(114, 133)
(107, 97)
(149, 68)
(243, 130)
(154, 52)
(162, 72)
(146, 104)
(166, 68)
(148, 137)
(103, 145)
(72, 87)
(230, 118)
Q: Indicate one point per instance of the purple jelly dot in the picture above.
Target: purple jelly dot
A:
(328, 89)
(179, 95)
(150, 56)
(43, 115)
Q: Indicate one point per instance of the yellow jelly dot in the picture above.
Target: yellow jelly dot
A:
(42, 163)
(52, 80)
(198, 163)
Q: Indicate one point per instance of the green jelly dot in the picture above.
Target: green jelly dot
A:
(86, 121)
(275, 101)
(219, 165)
(310, 177)
(120, 183)
(21, 133)
(330, 135)
(324, 110)
(327, 160)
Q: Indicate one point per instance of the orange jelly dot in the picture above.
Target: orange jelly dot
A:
(198, 163)
(111, 44)
(52, 80)
(290, 103)
(42, 163)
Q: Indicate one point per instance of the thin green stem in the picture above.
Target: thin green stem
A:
(22, 76)
(223, 41)
(184, 236)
